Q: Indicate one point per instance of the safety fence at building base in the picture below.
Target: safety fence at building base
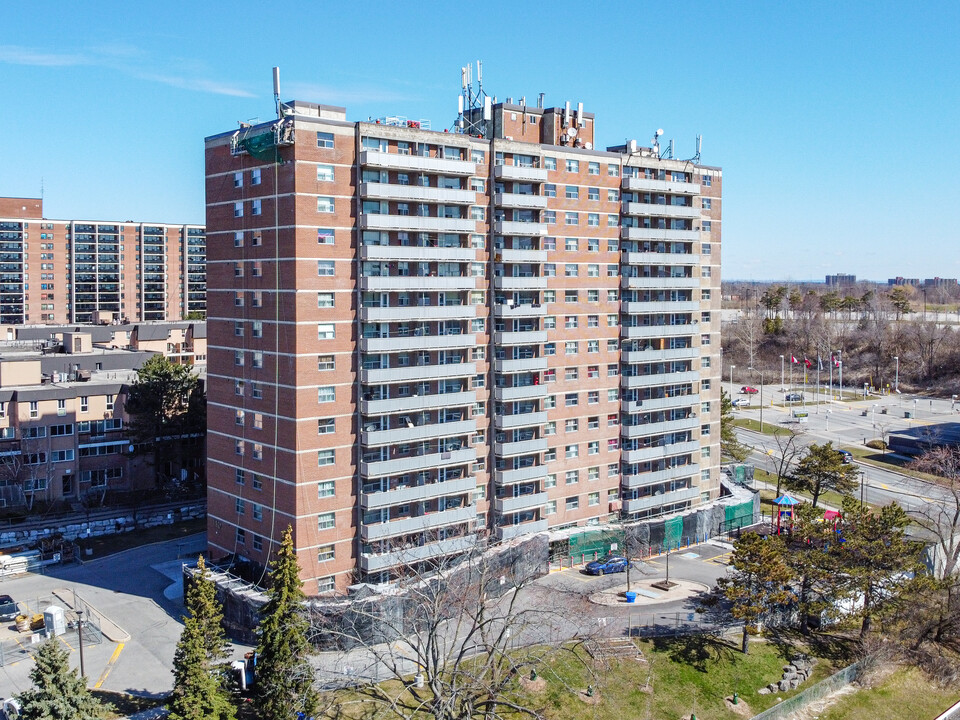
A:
(825, 687)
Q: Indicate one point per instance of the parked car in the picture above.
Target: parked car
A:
(741, 402)
(8, 608)
(846, 456)
(793, 397)
(747, 390)
(609, 564)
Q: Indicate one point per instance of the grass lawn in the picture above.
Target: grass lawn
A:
(769, 428)
(124, 704)
(905, 692)
(109, 544)
(829, 498)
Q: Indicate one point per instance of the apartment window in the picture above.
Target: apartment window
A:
(549, 190)
(570, 296)
(549, 322)
(325, 426)
(257, 451)
(571, 399)
(593, 397)
(571, 374)
(613, 320)
(325, 204)
(325, 457)
(326, 584)
(613, 370)
(240, 505)
(238, 417)
(325, 173)
(325, 553)
(571, 244)
(238, 238)
(571, 451)
(550, 455)
(258, 421)
(550, 508)
(326, 521)
(572, 477)
(571, 218)
(478, 156)
(571, 425)
(324, 140)
(326, 394)
(707, 226)
(478, 213)
(704, 339)
(573, 166)
(705, 452)
(237, 328)
(61, 407)
(593, 168)
(593, 447)
(325, 268)
(706, 248)
(240, 476)
(707, 180)
(613, 295)
(593, 346)
(110, 401)
(325, 362)
(613, 170)
(241, 536)
(256, 298)
(257, 359)
(238, 209)
(326, 331)
(593, 271)
(256, 207)
(571, 322)
(550, 163)
(704, 429)
(612, 221)
(550, 349)
(613, 394)
(571, 270)
(549, 270)
(255, 176)
(239, 447)
(550, 217)
(593, 220)
(613, 195)
(593, 296)
(257, 482)
(593, 371)
(326, 489)
(572, 192)
(325, 236)
(705, 317)
(238, 358)
(573, 503)
(549, 296)
(550, 402)
(706, 203)
(257, 329)
(570, 347)
(84, 405)
(478, 242)
(238, 179)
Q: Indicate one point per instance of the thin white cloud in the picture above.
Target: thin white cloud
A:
(198, 84)
(18, 55)
(311, 92)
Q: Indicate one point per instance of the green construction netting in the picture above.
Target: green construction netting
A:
(598, 541)
(262, 147)
(672, 532)
(736, 516)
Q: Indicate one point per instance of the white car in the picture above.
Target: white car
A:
(740, 402)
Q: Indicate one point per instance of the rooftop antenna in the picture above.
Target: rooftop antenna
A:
(696, 158)
(473, 105)
(276, 92)
(655, 143)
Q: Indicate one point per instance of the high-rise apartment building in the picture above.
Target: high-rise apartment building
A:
(423, 340)
(89, 271)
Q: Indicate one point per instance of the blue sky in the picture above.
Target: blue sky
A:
(835, 123)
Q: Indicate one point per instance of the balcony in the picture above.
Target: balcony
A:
(409, 525)
(653, 380)
(669, 187)
(641, 332)
(659, 283)
(520, 447)
(418, 163)
(417, 193)
(523, 310)
(508, 532)
(378, 376)
(645, 356)
(520, 173)
(425, 283)
(653, 258)
(512, 227)
(416, 313)
(528, 282)
(658, 476)
(520, 337)
(531, 472)
(658, 428)
(659, 452)
(640, 233)
(451, 546)
(520, 201)
(534, 364)
(658, 210)
(510, 422)
(667, 498)
(395, 466)
(522, 256)
(417, 223)
(665, 403)
(417, 342)
(517, 503)
(512, 394)
(414, 253)
(659, 306)
(417, 402)
(417, 493)
(373, 438)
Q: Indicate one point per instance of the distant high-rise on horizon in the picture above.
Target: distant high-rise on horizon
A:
(420, 341)
(90, 271)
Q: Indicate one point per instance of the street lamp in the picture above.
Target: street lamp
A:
(731, 379)
(896, 378)
(80, 639)
(761, 394)
(861, 489)
(781, 373)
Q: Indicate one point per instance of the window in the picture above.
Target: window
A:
(549, 322)
(549, 296)
(478, 156)
(324, 300)
(593, 397)
(593, 371)
(325, 457)
(240, 505)
(61, 407)
(571, 218)
(238, 416)
(572, 477)
(571, 270)
(325, 204)
(573, 503)
(570, 347)
(550, 163)
(570, 296)
(706, 203)
(61, 456)
(706, 248)
(549, 270)
(551, 507)
(324, 553)
(326, 584)
(571, 322)
(238, 447)
(255, 176)
(593, 271)
(325, 173)
(325, 268)
(238, 179)
(325, 426)
(549, 190)
(612, 221)
(84, 404)
(571, 245)
(572, 192)
(257, 359)
(705, 452)
(593, 245)
(237, 328)
(550, 217)
(613, 170)
(478, 213)
(257, 451)
(593, 447)
(325, 489)
(238, 209)
(325, 362)
(240, 476)
(593, 296)
(326, 331)
(572, 451)
(110, 401)
(238, 358)
(257, 329)
(613, 295)
(325, 236)
(613, 320)
(593, 219)
(571, 425)
(324, 140)
(707, 226)
(241, 536)
(326, 521)
(613, 394)
(593, 346)
(571, 373)
(573, 166)
(571, 400)
(256, 207)
(326, 394)
(707, 180)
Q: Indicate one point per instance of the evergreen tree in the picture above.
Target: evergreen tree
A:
(730, 446)
(58, 693)
(822, 469)
(810, 555)
(284, 675)
(198, 684)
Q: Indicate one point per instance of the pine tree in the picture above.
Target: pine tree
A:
(730, 446)
(198, 684)
(284, 675)
(822, 469)
(58, 693)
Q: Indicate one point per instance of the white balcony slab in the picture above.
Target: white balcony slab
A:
(508, 532)
(417, 493)
(654, 258)
(417, 193)
(535, 364)
(670, 187)
(517, 503)
(520, 201)
(521, 447)
(659, 283)
(418, 372)
(660, 452)
(666, 403)
(659, 476)
(658, 210)
(413, 313)
(651, 355)
(521, 256)
(642, 332)
(387, 283)
(510, 422)
(667, 498)
(531, 472)
(415, 403)
(409, 525)
(520, 173)
(395, 436)
(506, 311)
(527, 392)
(417, 342)
(395, 466)
(370, 562)
(520, 337)
(659, 306)
(393, 161)
(521, 229)
(415, 253)
(532, 282)
(416, 223)
(640, 233)
(671, 378)
(659, 428)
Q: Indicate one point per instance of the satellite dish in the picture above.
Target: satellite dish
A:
(659, 132)
(589, 146)
(572, 132)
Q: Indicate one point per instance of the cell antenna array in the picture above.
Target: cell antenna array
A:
(473, 104)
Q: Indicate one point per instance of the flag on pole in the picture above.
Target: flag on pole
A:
(807, 363)
(794, 360)
(819, 362)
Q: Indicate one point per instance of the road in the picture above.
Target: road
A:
(852, 423)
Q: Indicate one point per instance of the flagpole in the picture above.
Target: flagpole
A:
(818, 385)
